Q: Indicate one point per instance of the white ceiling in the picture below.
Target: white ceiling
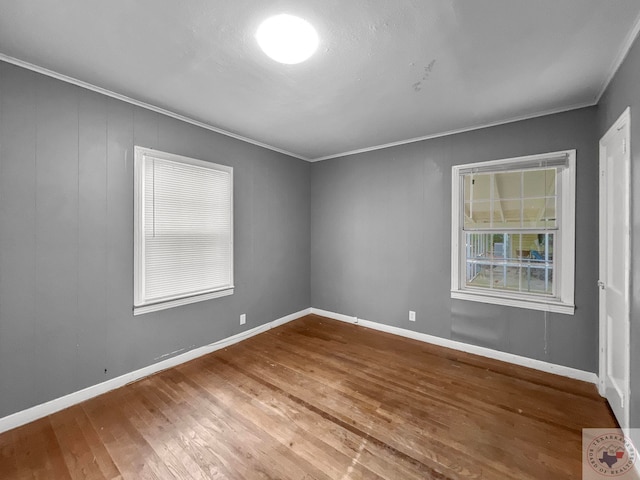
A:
(386, 71)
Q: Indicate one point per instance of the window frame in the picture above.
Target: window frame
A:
(141, 305)
(564, 272)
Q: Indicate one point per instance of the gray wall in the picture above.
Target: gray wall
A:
(66, 239)
(381, 240)
(622, 92)
(379, 243)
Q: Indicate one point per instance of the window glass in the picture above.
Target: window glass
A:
(510, 261)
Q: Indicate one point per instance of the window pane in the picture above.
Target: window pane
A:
(510, 262)
(467, 188)
(524, 199)
(510, 211)
(477, 187)
(477, 214)
(508, 184)
(534, 213)
(539, 183)
(550, 212)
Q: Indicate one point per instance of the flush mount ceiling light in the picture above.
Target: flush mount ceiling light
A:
(287, 39)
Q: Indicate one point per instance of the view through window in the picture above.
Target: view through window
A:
(510, 225)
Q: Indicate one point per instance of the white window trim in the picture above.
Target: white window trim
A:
(140, 307)
(564, 301)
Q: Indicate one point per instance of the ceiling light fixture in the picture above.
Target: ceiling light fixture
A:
(287, 39)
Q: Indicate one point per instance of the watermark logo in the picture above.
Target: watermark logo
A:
(607, 453)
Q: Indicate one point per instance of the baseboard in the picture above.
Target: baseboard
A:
(34, 413)
(465, 347)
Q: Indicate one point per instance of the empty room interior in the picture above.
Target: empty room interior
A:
(319, 239)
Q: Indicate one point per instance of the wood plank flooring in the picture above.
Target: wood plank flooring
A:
(319, 399)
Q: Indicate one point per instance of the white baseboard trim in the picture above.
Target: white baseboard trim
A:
(34, 413)
(465, 347)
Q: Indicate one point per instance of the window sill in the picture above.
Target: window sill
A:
(544, 305)
(154, 307)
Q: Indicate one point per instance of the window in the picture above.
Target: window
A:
(513, 232)
(183, 230)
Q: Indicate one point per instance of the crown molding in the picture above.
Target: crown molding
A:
(147, 106)
(460, 130)
(624, 50)
(622, 54)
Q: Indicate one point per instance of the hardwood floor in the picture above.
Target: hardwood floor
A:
(319, 399)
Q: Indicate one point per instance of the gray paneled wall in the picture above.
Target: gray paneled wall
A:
(622, 92)
(366, 235)
(66, 239)
(381, 240)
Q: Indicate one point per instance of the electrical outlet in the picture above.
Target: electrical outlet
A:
(243, 319)
(412, 316)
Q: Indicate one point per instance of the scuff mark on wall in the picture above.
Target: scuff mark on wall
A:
(427, 72)
(171, 354)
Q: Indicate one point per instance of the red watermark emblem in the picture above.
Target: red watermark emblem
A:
(608, 453)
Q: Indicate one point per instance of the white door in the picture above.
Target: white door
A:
(615, 267)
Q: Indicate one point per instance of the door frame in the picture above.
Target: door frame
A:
(625, 117)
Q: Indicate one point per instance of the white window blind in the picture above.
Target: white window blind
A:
(184, 230)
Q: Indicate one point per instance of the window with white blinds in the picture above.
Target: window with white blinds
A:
(183, 230)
